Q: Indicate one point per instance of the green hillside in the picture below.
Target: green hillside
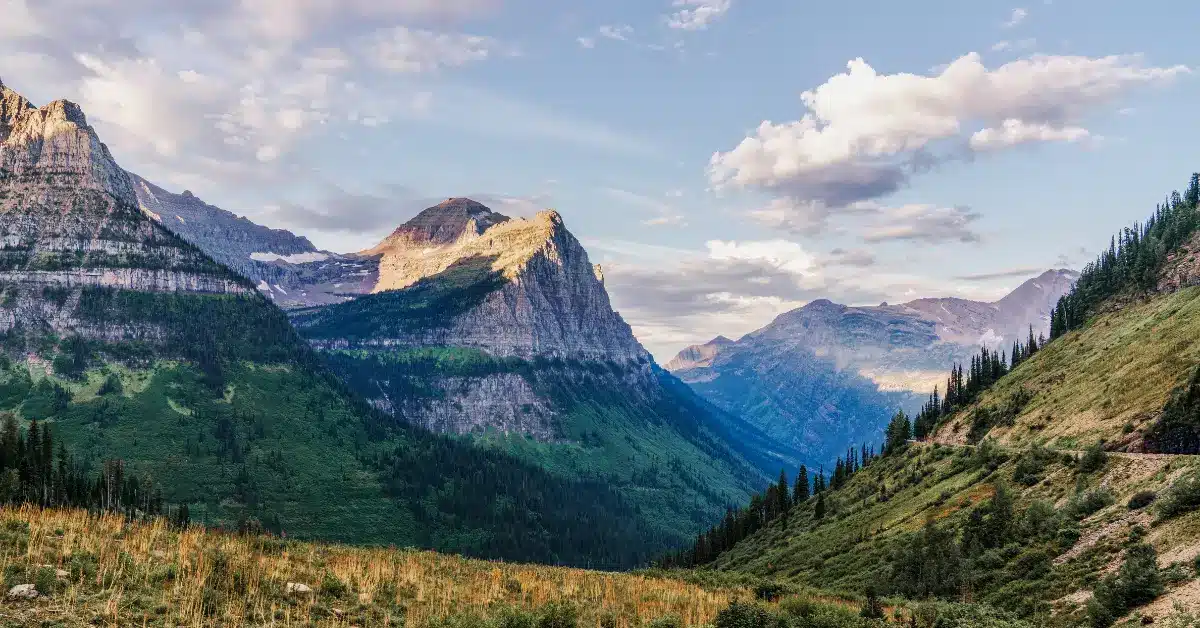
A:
(1034, 492)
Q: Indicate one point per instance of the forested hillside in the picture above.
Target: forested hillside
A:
(1024, 483)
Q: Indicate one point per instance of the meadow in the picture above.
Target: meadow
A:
(103, 570)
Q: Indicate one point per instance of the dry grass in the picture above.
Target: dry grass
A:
(150, 574)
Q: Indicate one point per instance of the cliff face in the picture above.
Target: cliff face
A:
(69, 222)
(826, 375)
(460, 275)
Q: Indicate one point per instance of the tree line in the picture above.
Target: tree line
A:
(33, 472)
(1133, 261)
(964, 386)
(774, 503)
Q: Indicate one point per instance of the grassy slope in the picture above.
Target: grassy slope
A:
(1120, 368)
(149, 574)
(849, 549)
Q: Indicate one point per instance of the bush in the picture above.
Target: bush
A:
(1141, 499)
(667, 621)
(332, 586)
(1094, 458)
(1083, 505)
(1137, 582)
(741, 615)
(1182, 497)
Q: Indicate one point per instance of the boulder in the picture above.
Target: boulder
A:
(23, 592)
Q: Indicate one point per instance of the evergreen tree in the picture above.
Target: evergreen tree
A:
(819, 509)
(801, 492)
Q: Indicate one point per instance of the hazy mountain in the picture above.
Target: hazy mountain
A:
(825, 376)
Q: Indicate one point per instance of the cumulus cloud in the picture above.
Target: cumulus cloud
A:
(863, 134)
(696, 15)
(673, 298)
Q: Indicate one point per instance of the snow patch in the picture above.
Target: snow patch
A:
(279, 288)
(180, 219)
(297, 258)
(263, 286)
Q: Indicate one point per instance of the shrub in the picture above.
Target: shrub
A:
(667, 621)
(1137, 582)
(1141, 499)
(740, 615)
(1182, 497)
(1083, 505)
(332, 586)
(1094, 458)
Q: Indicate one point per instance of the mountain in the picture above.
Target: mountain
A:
(285, 267)
(131, 343)
(501, 328)
(825, 376)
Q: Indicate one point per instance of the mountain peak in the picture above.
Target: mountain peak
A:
(50, 149)
(443, 223)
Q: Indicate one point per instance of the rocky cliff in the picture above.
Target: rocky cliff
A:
(460, 275)
(70, 226)
(827, 375)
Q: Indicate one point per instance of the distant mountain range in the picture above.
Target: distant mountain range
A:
(826, 376)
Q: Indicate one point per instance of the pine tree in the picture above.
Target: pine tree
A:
(801, 492)
(782, 494)
(819, 509)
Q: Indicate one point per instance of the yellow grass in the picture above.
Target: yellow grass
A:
(151, 574)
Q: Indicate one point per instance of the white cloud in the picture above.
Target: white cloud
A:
(1018, 16)
(18, 20)
(667, 214)
(620, 32)
(1001, 46)
(695, 15)
(403, 49)
(587, 42)
(786, 256)
(863, 134)
(1013, 132)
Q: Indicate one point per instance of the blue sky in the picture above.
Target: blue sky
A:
(642, 122)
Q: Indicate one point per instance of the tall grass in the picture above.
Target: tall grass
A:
(126, 574)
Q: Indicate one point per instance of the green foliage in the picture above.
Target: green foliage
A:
(1087, 503)
(1137, 582)
(898, 433)
(928, 564)
(1031, 465)
(1183, 496)
(431, 303)
(1094, 458)
(1132, 262)
(1177, 430)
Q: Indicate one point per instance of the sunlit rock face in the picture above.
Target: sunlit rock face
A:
(69, 222)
